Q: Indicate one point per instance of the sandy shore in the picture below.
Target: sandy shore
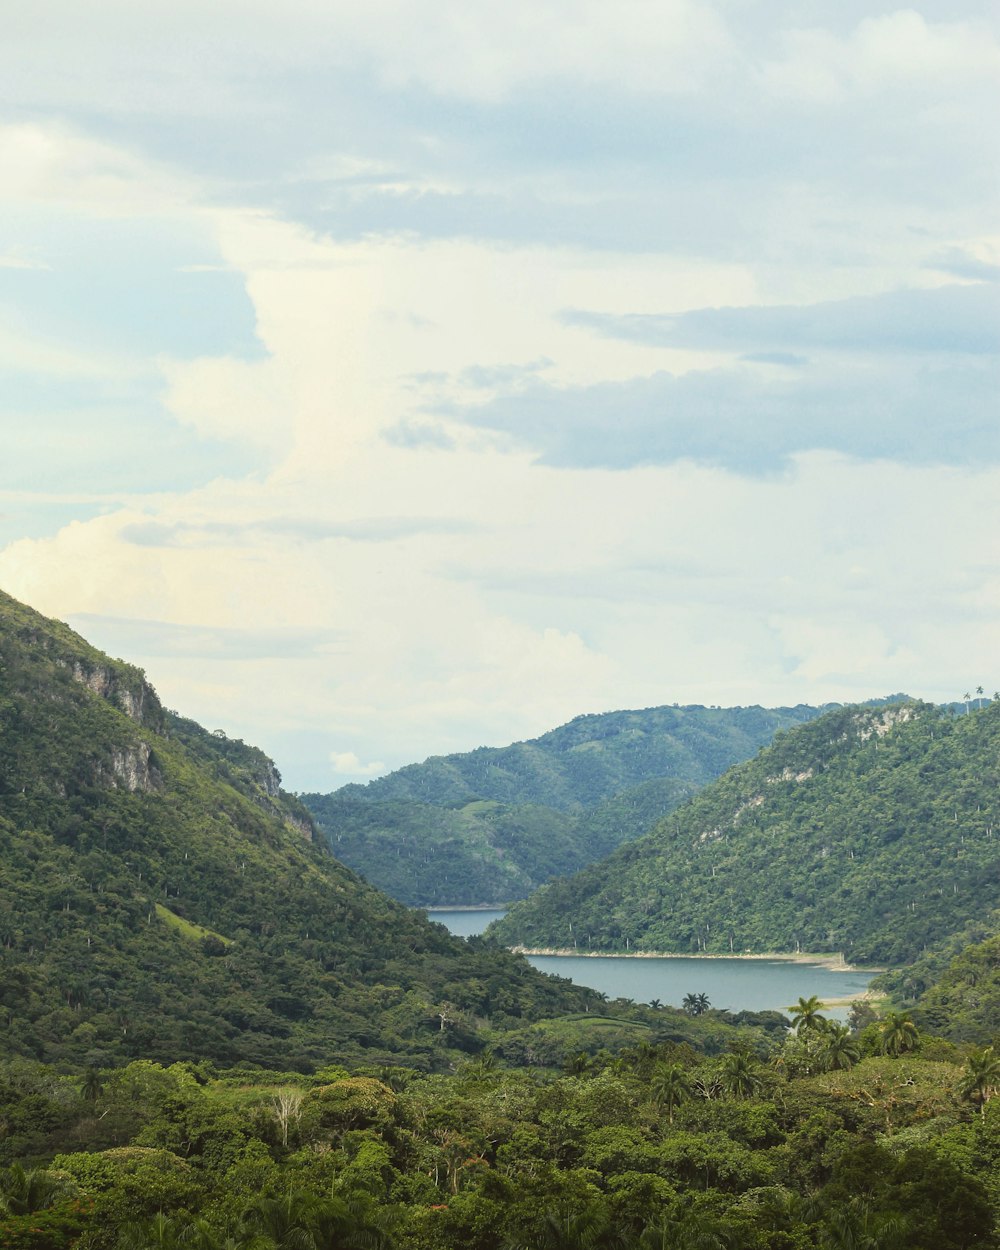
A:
(836, 963)
(468, 907)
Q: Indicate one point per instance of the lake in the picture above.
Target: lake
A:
(737, 984)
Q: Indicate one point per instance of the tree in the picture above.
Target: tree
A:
(23, 1191)
(695, 1004)
(670, 1088)
(92, 1087)
(859, 1226)
(738, 1072)
(981, 1077)
(807, 1014)
(566, 1226)
(286, 1106)
(841, 1050)
(899, 1033)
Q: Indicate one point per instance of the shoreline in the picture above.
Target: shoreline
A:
(467, 907)
(835, 963)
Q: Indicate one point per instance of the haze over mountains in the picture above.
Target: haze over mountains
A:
(491, 825)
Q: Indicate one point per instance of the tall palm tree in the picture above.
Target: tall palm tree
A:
(739, 1074)
(806, 1013)
(840, 1049)
(981, 1077)
(92, 1086)
(899, 1033)
(670, 1088)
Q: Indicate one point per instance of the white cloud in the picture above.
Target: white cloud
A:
(408, 599)
(892, 52)
(346, 763)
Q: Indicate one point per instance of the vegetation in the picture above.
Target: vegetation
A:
(215, 1036)
(162, 897)
(656, 1146)
(491, 825)
(869, 831)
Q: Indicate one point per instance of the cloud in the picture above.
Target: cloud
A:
(184, 534)
(749, 421)
(346, 763)
(962, 319)
(169, 640)
(962, 262)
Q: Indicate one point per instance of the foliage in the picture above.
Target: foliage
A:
(490, 825)
(162, 897)
(869, 831)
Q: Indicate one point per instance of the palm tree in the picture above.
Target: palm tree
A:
(899, 1033)
(981, 1077)
(567, 1226)
(806, 1012)
(24, 1191)
(857, 1226)
(979, 697)
(92, 1087)
(739, 1074)
(692, 1230)
(287, 1221)
(695, 1004)
(670, 1088)
(968, 699)
(577, 1064)
(840, 1049)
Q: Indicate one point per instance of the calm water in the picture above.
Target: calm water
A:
(739, 984)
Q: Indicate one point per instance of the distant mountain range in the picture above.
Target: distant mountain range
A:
(162, 897)
(871, 831)
(491, 825)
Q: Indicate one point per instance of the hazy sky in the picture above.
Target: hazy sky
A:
(395, 378)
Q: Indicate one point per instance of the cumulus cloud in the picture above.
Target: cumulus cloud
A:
(346, 763)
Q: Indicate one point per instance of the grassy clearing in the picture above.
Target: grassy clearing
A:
(187, 928)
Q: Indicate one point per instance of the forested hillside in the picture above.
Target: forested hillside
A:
(491, 825)
(161, 896)
(870, 831)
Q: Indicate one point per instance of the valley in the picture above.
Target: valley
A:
(217, 1036)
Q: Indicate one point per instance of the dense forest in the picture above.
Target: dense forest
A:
(161, 897)
(813, 1139)
(869, 831)
(491, 825)
(215, 1036)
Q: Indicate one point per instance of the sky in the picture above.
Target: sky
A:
(392, 378)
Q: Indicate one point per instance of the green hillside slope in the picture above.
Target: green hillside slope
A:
(160, 896)
(869, 831)
(493, 824)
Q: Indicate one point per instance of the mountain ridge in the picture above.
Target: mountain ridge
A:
(162, 897)
(490, 825)
(867, 831)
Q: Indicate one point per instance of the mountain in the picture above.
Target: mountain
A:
(491, 825)
(162, 897)
(869, 831)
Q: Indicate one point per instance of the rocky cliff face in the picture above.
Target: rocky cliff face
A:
(127, 690)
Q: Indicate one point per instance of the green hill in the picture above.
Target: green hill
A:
(491, 825)
(162, 897)
(869, 831)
